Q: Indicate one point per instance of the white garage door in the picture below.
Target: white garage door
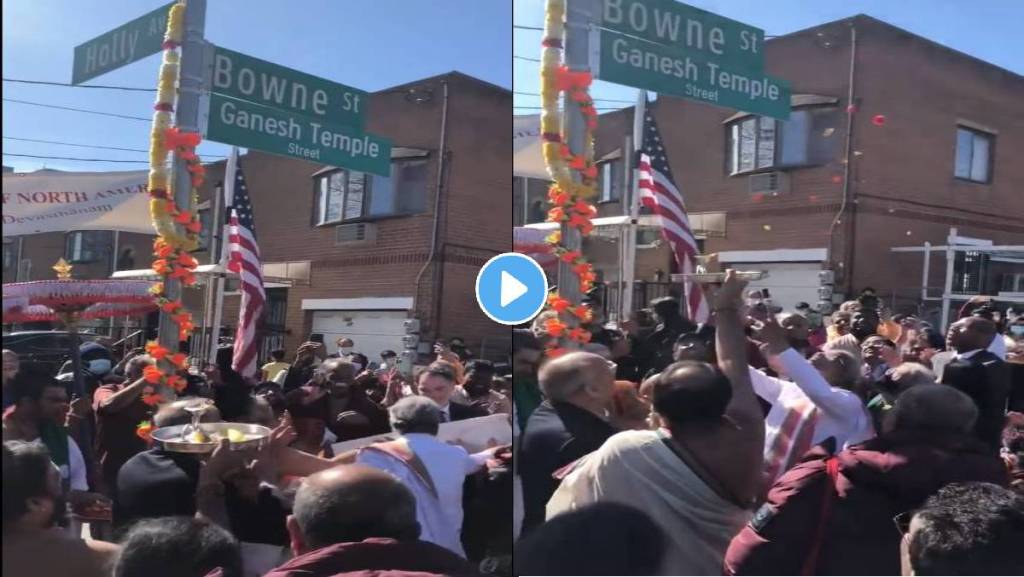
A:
(372, 331)
(788, 282)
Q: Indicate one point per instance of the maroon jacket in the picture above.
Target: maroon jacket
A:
(376, 558)
(877, 480)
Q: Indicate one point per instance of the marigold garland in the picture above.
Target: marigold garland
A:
(569, 198)
(177, 230)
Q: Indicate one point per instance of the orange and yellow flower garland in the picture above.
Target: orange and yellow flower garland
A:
(569, 198)
(177, 230)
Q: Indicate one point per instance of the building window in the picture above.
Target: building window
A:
(344, 195)
(10, 253)
(206, 234)
(610, 181)
(758, 143)
(973, 155)
(87, 246)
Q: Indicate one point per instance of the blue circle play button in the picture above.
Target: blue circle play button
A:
(511, 288)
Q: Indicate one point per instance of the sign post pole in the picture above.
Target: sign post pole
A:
(576, 59)
(190, 85)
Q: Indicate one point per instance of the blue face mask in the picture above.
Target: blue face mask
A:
(99, 367)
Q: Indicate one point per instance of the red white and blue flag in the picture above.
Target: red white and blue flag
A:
(244, 260)
(658, 192)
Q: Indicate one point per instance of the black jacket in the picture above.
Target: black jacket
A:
(986, 379)
(556, 434)
(460, 412)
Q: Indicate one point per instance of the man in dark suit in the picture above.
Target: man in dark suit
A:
(979, 374)
(437, 382)
(568, 425)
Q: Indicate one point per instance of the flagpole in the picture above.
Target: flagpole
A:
(634, 202)
(220, 257)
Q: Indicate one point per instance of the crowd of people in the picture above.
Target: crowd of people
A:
(405, 503)
(768, 442)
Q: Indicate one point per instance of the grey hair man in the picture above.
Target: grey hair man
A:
(355, 517)
(433, 470)
(571, 422)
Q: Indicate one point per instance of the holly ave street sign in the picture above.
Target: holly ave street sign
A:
(261, 82)
(676, 49)
(241, 123)
(635, 62)
(122, 45)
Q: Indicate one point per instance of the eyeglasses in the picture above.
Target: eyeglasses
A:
(902, 522)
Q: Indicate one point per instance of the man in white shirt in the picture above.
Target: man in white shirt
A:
(433, 470)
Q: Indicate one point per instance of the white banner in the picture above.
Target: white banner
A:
(527, 149)
(472, 434)
(61, 201)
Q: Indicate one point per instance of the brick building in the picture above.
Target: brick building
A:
(931, 145)
(351, 254)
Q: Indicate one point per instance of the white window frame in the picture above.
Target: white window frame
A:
(975, 134)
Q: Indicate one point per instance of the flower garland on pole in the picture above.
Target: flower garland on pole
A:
(569, 198)
(177, 230)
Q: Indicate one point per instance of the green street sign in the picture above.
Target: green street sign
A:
(634, 62)
(686, 28)
(261, 82)
(122, 45)
(241, 123)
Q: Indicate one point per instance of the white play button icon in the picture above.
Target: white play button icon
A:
(511, 289)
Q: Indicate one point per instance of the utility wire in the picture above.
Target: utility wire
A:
(76, 159)
(521, 27)
(516, 56)
(594, 99)
(77, 110)
(65, 84)
(90, 145)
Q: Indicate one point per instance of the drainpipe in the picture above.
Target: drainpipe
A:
(437, 209)
(848, 257)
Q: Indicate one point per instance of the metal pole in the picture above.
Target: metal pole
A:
(113, 269)
(209, 342)
(927, 270)
(629, 246)
(17, 265)
(187, 119)
(948, 287)
(577, 22)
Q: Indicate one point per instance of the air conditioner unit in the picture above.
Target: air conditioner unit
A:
(768, 183)
(356, 232)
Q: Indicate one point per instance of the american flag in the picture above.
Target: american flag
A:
(244, 259)
(658, 193)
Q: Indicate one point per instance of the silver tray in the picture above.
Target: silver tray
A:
(170, 437)
(718, 277)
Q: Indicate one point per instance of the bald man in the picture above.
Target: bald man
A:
(980, 374)
(570, 423)
(354, 518)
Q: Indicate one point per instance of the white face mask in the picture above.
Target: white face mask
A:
(344, 350)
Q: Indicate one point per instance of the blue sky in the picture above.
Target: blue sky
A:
(987, 29)
(369, 44)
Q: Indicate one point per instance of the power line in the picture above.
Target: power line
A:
(594, 99)
(605, 108)
(77, 109)
(516, 56)
(521, 27)
(90, 145)
(76, 159)
(67, 85)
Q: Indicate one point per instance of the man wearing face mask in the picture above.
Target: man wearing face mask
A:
(351, 415)
(345, 348)
(476, 389)
(33, 507)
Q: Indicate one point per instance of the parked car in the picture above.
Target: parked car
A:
(46, 348)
